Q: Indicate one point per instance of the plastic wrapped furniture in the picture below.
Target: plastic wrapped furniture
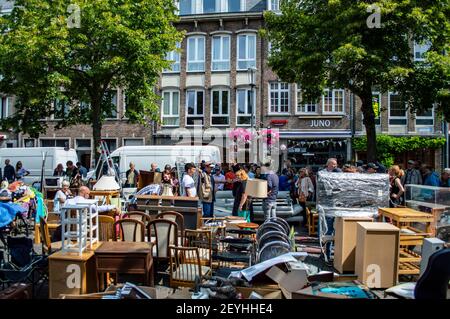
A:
(348, 195)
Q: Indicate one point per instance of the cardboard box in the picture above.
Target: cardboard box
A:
(345, 242)
(256, 188)
(377, 252)
(293, 280)
(317, 291)
(266, 293)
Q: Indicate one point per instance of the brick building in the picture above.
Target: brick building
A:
(208, 91)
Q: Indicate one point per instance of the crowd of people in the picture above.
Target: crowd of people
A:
(207, 179)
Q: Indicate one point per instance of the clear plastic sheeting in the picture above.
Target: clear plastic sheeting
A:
(351, 194)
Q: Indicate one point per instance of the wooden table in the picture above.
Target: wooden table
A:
(403, 217)
(124, 258)
(409, 261)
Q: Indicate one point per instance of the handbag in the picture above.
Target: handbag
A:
(302, 198)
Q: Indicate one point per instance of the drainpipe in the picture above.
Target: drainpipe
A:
(352, 121)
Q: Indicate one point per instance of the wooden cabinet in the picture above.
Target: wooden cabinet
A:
(71, 273)
(345, 243)
(377, 253)
(405, 219)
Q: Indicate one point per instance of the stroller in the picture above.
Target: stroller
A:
(19, 263)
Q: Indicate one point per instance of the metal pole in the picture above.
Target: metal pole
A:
(447, 144)
(252, 122)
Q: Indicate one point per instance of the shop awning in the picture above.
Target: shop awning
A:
(315, 134)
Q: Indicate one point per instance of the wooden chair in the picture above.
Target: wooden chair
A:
(143, 217)
(47, 247)
(185, 266)
(313, 220)
(175, 217)
(163, 233)
(106, 228)
(202, 239)
(130, 230)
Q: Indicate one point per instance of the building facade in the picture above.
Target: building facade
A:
(208, 91)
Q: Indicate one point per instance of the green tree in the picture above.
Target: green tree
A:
(339, 43)
(76, 51)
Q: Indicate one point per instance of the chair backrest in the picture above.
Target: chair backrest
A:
(45, 237)
(175, 217)
(143, 217)
(166, 233)
(433, 284)
(106, 228)
(185, 265)
(201, 239)
(130, 230)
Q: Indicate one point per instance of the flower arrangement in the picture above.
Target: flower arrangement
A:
(270, 136)
(241, 135)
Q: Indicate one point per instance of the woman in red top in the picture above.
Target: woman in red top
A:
(229, 178)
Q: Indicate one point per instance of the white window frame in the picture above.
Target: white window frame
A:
(172, 107)
(7, 107)
(297, 101)
(279, 90)
(195, 108)
(247, 113)
(133, 138)
(222, 53)
(174, 56)
(117, 106)
(247, 52)
(221, 114)
(53, 115)
(39, 142)
(333, 102)
(197, 38)
(396, 117)
(35, 142)
(196, 7)
(419, 48)
(271, 7)
(431, 117)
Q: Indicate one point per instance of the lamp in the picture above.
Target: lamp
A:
(106, 183)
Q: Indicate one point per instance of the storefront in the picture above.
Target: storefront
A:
(314, 148)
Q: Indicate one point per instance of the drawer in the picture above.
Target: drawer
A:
(131, 265)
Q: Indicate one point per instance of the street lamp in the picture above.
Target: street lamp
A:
(251, 73)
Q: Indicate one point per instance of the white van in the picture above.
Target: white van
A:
(144, 156)
(31, 158)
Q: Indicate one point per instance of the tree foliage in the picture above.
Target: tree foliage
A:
(45, 55)
(389, 146)
(328, 43)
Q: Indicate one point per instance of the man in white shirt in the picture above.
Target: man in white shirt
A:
(188, 182)
(219, 179)
(83, 197)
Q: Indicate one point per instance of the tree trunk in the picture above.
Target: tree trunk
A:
(369, 123)
(96, 127)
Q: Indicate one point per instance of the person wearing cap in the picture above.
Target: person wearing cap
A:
(412, 175)
(219, 179)
(445, 178)
(371, 168)
(207, 191)
(431, 178)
